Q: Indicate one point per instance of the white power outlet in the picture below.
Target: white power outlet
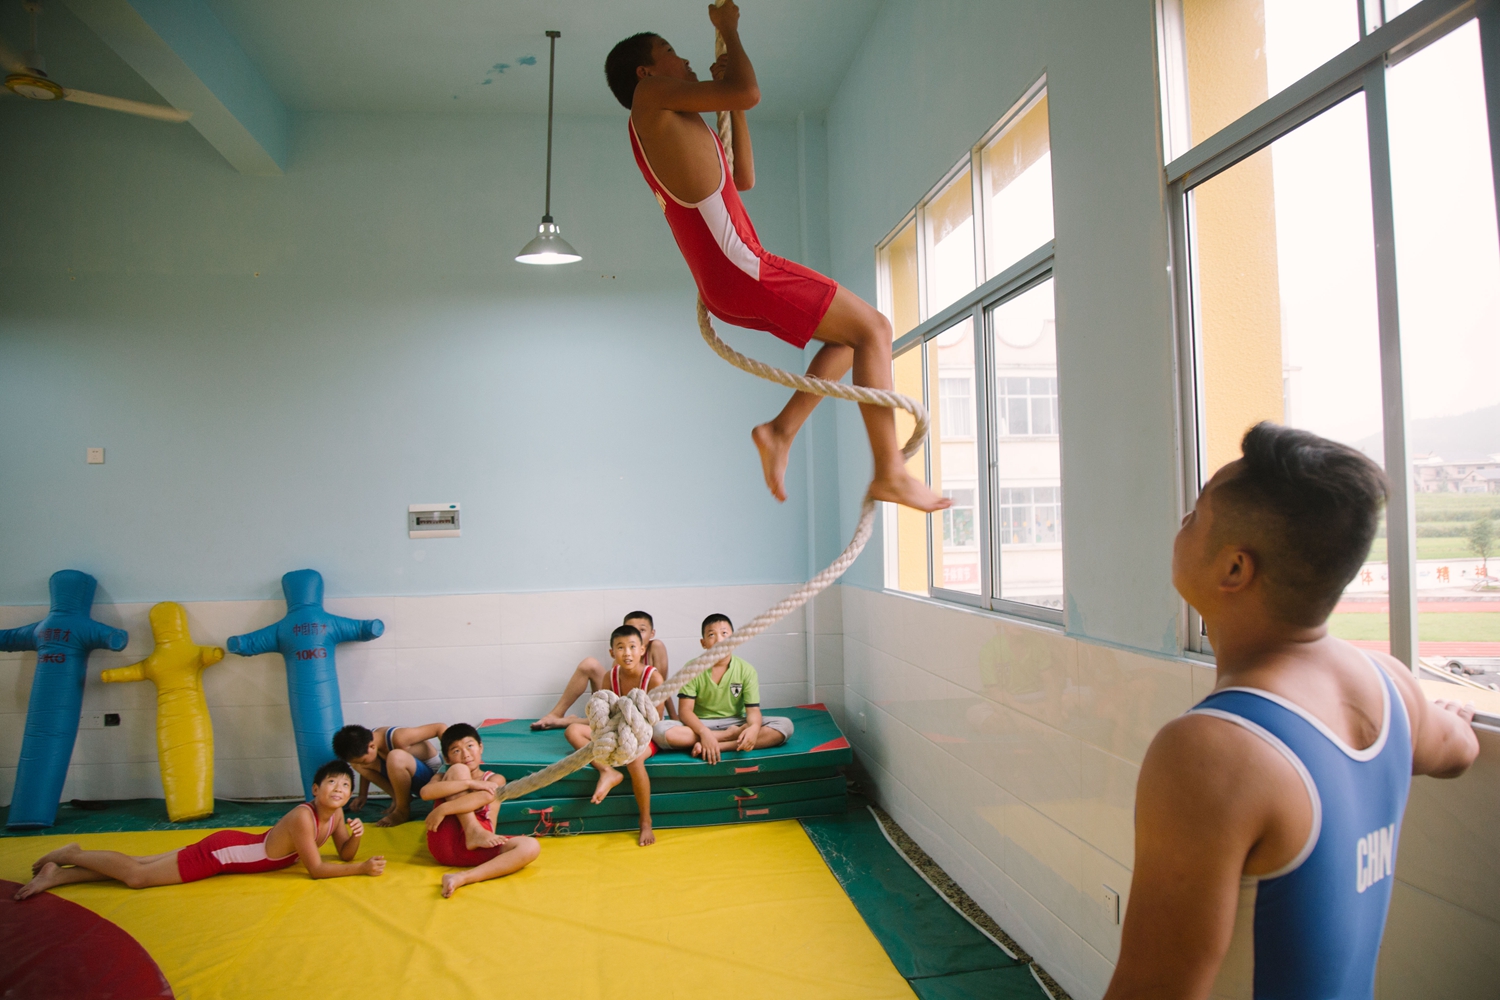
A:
(94, 456)
(1109, 900)
(98, 720)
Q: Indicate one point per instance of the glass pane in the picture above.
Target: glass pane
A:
(950, 244)
(1240, 52)
(1028, 472)
(1448, 277)
(1286, 324)
(955, 461)
(1018, 189)
(910, 563)
(898, 284)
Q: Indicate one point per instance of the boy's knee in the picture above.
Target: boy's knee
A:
(401, 760)
(136, 879)
(529, 848)
(458, 772)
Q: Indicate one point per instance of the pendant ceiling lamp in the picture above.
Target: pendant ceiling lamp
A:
(549, 247)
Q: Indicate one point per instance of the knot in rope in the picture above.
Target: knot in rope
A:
(620, 725)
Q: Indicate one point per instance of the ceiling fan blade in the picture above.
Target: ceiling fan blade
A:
(10, 59)
(160, 112)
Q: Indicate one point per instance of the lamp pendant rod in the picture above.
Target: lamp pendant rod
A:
(551, 78)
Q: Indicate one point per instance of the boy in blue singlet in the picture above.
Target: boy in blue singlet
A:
(398, 759)
(1268, 817)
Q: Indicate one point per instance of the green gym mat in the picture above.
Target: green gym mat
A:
(541, 822)
(941, 954)
(816, 750)
(621, 801)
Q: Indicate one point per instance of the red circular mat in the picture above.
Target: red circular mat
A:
(55, 948)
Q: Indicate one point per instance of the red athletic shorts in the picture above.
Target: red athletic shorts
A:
(788, 301)
(231, 852)
(447, 846)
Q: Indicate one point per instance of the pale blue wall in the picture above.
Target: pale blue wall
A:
(929, 79)
(389, 352)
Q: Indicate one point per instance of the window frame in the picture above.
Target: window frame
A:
(1359, 68)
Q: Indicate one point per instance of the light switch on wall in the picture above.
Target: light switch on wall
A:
(95, 456)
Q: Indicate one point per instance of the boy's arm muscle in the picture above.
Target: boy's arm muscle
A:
(1443, 743)
(409, 736)
(1193, 831)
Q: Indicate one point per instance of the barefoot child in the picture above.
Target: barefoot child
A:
(399, 759)
(590, 676)
(628, 673)
(461, 828)
(720, 708)
(685, 167)
(1268, 817)
(295, 837)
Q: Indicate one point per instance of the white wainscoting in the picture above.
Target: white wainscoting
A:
(449, 658)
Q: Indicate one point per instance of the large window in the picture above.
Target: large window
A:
(966, 282)
(1338, 269)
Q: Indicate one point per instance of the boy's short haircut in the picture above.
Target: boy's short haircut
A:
(456, 732)
(352, 741)
(623, 60)
(639, 616)
(714, 619)
(1310, 508)
(624, 632)
(333, 769)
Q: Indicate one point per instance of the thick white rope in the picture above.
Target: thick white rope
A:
(620, 725)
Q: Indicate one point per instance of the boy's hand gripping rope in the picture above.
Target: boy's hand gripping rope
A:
(620, 725)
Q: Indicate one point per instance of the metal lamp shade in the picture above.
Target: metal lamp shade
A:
(548, 247)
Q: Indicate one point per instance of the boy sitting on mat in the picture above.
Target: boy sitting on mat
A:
(628, 673)
(295, 837)
(589, 676)
(461, 828)
(685, 167)
(400, 759)
(720, 708)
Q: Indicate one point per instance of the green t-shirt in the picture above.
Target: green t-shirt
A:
(737, 690)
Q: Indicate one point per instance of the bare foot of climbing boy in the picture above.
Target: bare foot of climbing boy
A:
(773, 448)
(608, 779)
(908, 491)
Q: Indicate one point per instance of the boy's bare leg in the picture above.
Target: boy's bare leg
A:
(578, 735)
(516, 853)
(850, 323)
(137, 873)
(588, 668)
(51, 875)
(400, 769)
(462, 807)
(641, 785)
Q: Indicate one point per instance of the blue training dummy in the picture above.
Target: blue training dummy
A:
(306, 638)
(63, 641)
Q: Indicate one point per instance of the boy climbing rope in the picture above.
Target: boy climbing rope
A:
(687, 169)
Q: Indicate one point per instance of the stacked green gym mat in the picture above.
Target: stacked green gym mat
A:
(800, 778)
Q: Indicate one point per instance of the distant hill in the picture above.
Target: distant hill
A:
(1464, 435)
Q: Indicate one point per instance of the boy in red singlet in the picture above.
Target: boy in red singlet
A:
(466, 790)
(628, 673)
(591, 675)
(742, 284)
(297, 836)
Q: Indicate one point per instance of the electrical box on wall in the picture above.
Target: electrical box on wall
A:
(432, 520)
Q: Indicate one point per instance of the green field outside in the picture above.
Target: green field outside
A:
(1431, 626)
(1432, 548)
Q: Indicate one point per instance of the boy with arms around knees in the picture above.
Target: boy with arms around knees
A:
(399, 759)
(461, 827)
(1268, 816)
(684, 164)
(297, 836)
(720, 708)
(590, 675)
(627, 674)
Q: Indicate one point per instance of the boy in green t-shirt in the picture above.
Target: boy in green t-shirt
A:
(719, 710)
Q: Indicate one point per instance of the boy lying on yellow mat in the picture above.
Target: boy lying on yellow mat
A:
(295, 837)
(720, 708)
(461, 828)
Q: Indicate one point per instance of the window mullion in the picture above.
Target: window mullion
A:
(1401, 525)
(1489, 51)
(984, 427)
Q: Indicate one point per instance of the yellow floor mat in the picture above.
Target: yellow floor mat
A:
(704, 909)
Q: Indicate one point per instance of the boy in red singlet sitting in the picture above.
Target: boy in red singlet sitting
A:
(468, 798)
(297, 836)
(590, 675)
(628, 673)
(742, 284)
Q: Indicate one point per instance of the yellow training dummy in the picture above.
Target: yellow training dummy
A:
(184, 733)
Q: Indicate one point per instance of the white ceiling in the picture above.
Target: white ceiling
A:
(442, 55)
